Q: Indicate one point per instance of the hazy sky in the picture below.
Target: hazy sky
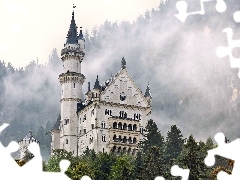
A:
(31, 29)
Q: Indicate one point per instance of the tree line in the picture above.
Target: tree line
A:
(155, 157)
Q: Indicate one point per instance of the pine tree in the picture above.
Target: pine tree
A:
(173, 147)
(153, 137)
(190, 158)
(153, 164)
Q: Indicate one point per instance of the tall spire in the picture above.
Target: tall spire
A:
(72, 33)
(147, 93)
(123, 63)
(96, 85)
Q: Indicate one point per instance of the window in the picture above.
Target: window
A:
(92, 126)
(122, 96)
(84, 118)
(122, 114)
(103, 124)
(73, 85)
(66, 141)
(66, 121)
(84, 131)
(92, 112)
(103, 138)
(80, 121)
(137, 116)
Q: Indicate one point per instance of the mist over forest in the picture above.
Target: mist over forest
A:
(191, 87)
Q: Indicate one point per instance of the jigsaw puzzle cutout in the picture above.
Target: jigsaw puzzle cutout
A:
(32, 169)
(177, 171)
(222, 51)
(227, 150)
(182, 9)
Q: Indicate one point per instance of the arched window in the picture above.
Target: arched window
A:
(129, 127)
(134, 140)
(124, 126)
(124, 139)
(114, 125)
(114, 137)
(120, 125)
(134, 127)
(130, 140)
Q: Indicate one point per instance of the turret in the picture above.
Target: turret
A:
(55, 132)
(81, 41)
(96, 88)
(25, 142)
(123, 63)
(89, 93)
(148, 95)
(71, 81)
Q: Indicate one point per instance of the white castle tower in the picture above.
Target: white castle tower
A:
(71, 81)
(25, 142)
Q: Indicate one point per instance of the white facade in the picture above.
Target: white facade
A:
(112, 116)
(114, 120)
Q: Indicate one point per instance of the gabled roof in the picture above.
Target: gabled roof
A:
(124, 71)
(28, 137)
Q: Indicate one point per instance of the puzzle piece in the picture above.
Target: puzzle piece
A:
(177, 171)
(33, 169)
(222, 51)
(227, 150)
(182, 9)
(236, 16)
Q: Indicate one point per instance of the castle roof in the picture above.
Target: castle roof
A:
(72, 33)
(28, 137)
(57, 123)
(96, 85)
(147, 93)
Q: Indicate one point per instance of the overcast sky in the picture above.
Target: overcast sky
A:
(31, 29)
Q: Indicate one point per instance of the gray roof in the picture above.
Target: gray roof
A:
(72, 33)
(147, 93)
(57, 123)
(28, 137)
(96, 85)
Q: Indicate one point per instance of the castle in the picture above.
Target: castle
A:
(113, 115)
(25, 142)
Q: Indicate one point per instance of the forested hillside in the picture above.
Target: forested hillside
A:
(191, 87)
